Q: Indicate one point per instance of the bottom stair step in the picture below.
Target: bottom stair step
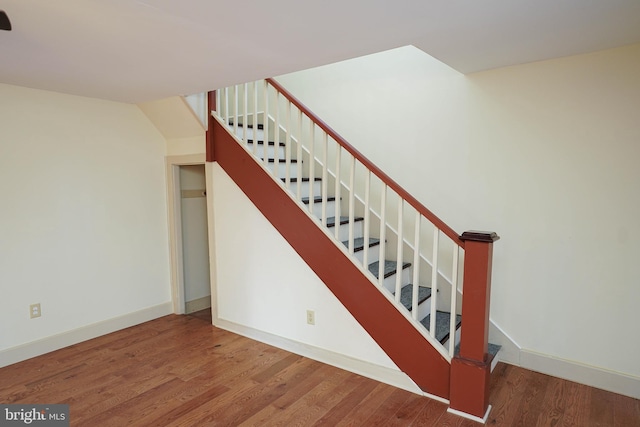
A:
(442, 324)
(492, 349)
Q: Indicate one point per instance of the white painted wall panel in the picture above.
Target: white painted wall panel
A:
(83, 227)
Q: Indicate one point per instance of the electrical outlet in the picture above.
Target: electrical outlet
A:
(311, 317)
(35, 311)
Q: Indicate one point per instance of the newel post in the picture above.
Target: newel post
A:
(211, 106)
(471, 367)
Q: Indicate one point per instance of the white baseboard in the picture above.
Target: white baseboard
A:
(197, 304)
(482, 420)
(31, 349)
(593, 376)
(383, 374)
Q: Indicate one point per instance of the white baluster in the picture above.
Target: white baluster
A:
(383, 231)
(245, 118)
(434, 280)
(352, 195)
(338, 189)
(265, 126)
(276, 136)
(399, 254)
(454, 300)
(312, 162)
(299, 158)
(235, 110)
(255, 118)
(287, 148)
(325, 169)
(416, 268)
(218, 104)
(226, 106)
(367, 218)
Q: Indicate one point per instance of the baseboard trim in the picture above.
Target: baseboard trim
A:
(379, 373)
(51, 343)
(197, 304)
(471, 417)
(593, 376)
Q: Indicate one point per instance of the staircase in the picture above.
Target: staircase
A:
(369, 255)
(275, 153)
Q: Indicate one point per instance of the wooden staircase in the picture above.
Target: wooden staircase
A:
(383, 296)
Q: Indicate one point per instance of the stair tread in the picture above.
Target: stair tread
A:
(317, 199)
(358, 243)
(442, 324)
(406, 295)
(269, 143)
(331, 220)
(303, 179)
(270, 160)
(260, 126)
(390, 267)
(492, 349)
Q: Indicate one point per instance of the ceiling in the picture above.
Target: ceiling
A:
(140, 50)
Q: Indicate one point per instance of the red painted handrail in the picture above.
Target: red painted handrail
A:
(369, 165)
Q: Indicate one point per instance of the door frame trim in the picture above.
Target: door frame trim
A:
(174, 217)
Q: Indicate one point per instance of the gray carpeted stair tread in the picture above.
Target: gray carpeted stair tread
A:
(406, 295)
(302, 179)
(390, 267)
(492, 349)
(442, 324)
(317, 199)
(270, 143)
(279, 160)
(358, 243)
(331, 221)
(260, 126)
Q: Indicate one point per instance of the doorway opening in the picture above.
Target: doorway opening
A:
(191, 275)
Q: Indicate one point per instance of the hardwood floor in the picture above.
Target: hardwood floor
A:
(181, 371)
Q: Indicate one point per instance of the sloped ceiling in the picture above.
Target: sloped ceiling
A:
(141, 50)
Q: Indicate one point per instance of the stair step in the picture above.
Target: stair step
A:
(317, 199)
(492, 349)
(331, 220)
(280, 160)
(260, 126)
(390, 267)
(442, 324)
(358, 243)
(269, 143)
(303, 179)
(406, 295)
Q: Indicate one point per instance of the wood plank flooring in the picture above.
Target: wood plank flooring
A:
(181, 371)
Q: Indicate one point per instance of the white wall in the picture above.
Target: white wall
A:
(178, 122)
(83, 226)
(545, 154)
(263, 290)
